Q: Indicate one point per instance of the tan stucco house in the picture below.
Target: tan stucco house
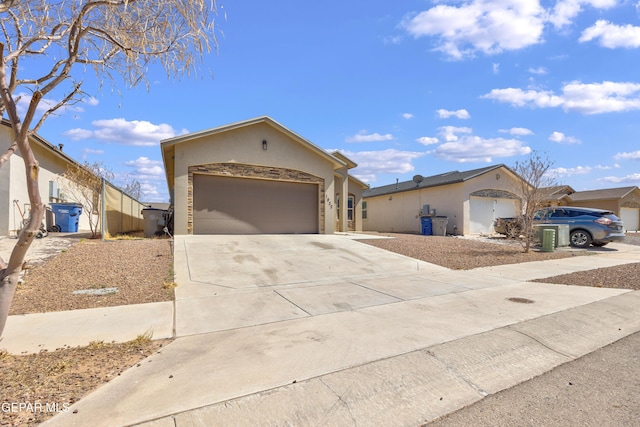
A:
(470, 200)
(623, 201)
(14, 198)
(121, 212)
(258, 177)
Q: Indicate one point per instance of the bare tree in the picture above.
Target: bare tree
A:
(47, 46)
(83, 184)
(133, 188)
(533, 190)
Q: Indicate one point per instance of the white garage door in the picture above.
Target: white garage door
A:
(630, 218)
(227, 205)
(483, 210)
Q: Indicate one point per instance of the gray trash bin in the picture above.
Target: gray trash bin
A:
(439, 225)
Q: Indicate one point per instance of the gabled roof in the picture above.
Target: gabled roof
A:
(604, 194)
(251, 122)
(430, 181)
(55, 150)
(350, 163)
(557, 192)
(167, 146)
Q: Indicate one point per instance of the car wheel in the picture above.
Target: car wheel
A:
(580, 239)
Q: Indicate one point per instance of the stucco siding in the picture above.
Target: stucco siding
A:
(400, 212)
(244, 146)
(610, 205)
(13, 185)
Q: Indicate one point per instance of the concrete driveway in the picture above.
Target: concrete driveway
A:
(227, 282)
(323, 330)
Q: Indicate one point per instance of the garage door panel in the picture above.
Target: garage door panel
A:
(630, 218)
(484, 210)
(228, 205)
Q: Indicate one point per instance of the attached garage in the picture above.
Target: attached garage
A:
(631, 218)
(257, 177)
(484, 210)
(231, 205)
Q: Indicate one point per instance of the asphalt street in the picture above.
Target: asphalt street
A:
(599, 389)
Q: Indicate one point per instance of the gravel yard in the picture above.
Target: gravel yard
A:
(117, 272)
(466, 254)
(142, 271)
(460, 253)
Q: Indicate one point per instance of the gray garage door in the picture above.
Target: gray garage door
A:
(226, 205)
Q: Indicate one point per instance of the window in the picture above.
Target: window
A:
(364, 210)
(351, 201)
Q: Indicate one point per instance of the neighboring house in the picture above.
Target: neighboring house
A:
(623, 201)
(258, 177)
(122, 213)
(14, 198)
(471, 200)
(556, 194)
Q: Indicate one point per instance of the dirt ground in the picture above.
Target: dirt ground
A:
(142, 272)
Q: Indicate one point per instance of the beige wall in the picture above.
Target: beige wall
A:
(356, 189)
(13, 184)
(610, 205)
(244, 146)
(399, 212)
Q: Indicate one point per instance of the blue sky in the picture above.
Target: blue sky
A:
(402, 88)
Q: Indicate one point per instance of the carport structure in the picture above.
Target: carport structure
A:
(258, 177)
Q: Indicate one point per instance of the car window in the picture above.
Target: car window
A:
(558, 213)
(539, 215)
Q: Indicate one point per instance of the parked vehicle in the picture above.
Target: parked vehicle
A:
(587, 226)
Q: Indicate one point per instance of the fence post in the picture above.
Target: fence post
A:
(103, 208)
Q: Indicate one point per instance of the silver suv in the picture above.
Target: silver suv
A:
(587, 226)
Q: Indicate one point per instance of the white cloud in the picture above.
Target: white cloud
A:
(478, 25)
(539, 71)
(150, 174)
(460, 114)
(121, 131)
(450, 133)
(372, 163)
(78, 134)
(612, 36)
(517, 131)
(633, 178)
(564, 172)
(408, 116)
(462, 146)
(427, 140)
(363, 136)
(146, 168)
(586, 98)
(561, 138)
(565, 11)
(47, 103)
(634, 155)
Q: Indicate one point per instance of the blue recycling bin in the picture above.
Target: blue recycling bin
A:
(67, 216)
(427, 225)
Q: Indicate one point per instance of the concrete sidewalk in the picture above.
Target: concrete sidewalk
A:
(376, 339)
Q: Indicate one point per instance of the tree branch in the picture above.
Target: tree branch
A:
(65, 101)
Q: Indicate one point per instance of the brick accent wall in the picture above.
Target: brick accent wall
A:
(240, 170)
